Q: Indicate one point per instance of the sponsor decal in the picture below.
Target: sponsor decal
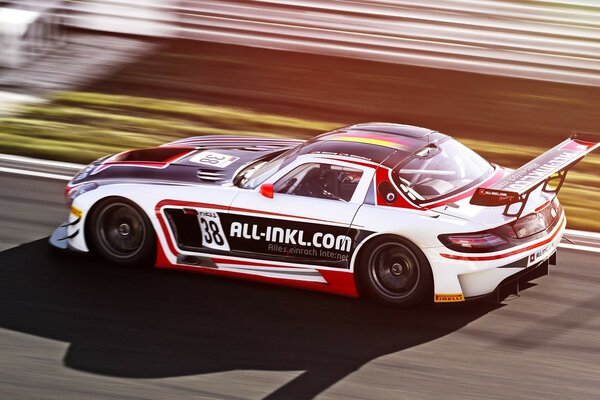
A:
(311, 243)
(447, 298)
(76, 212)
(337, 154)
(294, 242)
(534, 171)
(491, 192)
(540, 254)
(213, 159)
(576, 145)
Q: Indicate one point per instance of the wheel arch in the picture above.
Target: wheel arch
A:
(97, 203)
(365, 244)
(94, 206)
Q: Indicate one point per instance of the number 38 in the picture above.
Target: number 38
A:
(212, 159)
(212, 234)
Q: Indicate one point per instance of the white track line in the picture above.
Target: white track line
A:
(35, 173)
(583, 234)
(579, 247)
(29, 160)
(571, 233)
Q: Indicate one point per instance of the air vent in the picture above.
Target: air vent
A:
(211, 175)
(239, 146)
(260, 148)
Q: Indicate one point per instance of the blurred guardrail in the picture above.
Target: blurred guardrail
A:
(549, 40)
(29, 29)
(157, 18)
(556, 40)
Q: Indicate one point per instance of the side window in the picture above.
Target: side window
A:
(322, 181)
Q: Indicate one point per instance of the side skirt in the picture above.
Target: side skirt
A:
(335, 282)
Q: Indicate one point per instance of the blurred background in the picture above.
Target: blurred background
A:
(80, 79)
(84, 78)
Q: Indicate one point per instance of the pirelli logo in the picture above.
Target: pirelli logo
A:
(448, 298)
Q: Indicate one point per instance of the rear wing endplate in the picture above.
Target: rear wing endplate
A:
(548, 169)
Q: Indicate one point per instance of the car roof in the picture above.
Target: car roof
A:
(375, 141)
(389, 128)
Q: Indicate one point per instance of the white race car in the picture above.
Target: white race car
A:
(399, 213)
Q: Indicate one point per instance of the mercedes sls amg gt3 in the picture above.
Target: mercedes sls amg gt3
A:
(399, 213)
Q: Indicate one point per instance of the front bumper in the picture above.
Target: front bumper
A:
(70, 235)
(59, 238)
(63, 234)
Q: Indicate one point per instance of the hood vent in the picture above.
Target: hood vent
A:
(240, 147)
(211, 175)
(260, 148)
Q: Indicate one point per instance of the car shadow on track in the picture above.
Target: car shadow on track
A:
(152, 324)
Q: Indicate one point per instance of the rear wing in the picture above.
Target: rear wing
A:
(548, 169)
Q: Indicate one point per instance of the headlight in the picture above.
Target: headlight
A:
(84, 173)
(79, 190)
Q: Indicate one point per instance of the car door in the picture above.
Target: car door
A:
(301, 215)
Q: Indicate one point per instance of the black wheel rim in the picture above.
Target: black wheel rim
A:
(120, 230)
(394, 270)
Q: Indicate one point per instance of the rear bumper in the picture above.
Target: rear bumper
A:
(467, 276)
(514, 283)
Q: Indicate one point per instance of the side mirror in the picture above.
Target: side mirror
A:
(266, 189)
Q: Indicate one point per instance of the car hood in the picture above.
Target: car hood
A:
(212, 160)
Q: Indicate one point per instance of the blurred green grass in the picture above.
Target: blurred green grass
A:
(82, 126)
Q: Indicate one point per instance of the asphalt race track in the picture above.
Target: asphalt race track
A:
(73, 327)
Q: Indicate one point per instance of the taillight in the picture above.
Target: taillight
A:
(543, 217)
(529, 225)
(556, 208)
(473, 243)
(526, 228)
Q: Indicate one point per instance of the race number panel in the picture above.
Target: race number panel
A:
(213, 236)
(213, 159)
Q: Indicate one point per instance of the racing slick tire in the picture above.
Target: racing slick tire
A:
(121, 233)
(395, 272)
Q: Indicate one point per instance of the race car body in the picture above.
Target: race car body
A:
(401, 213)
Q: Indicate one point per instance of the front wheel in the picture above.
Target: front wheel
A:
(121, 233)
(396, 273)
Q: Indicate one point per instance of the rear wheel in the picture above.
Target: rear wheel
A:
(396, 273)
(121, 233)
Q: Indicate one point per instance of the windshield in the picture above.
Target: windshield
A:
(257, 173)
(441, 170)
